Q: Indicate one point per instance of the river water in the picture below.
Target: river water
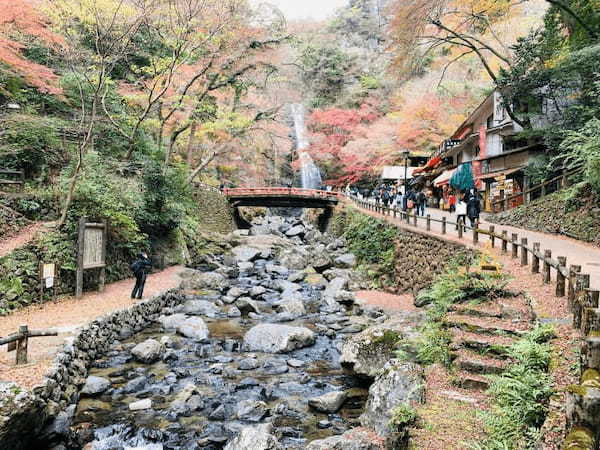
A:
(203, 391)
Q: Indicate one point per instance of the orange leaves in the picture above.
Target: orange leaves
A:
(20, 17)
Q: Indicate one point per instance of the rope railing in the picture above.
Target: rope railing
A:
(583, 400)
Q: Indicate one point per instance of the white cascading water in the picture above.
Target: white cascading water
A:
(309, 172)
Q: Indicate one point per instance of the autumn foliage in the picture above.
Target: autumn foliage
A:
(19, 19)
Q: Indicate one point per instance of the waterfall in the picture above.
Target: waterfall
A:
(309, 172)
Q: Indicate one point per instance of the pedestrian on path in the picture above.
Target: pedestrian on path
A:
(421, 203)
(140, 268)
(461, 213)
(473, 207)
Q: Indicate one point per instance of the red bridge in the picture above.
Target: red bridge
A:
(279, 197)
(282, 197)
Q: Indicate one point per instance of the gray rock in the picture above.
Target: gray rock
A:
(201, 308)
(246, 305)
(275, 338)
(95, 385)
(245, 266)
(248, 364)
(147, 351)
(321, 262)
(399, 383)
(256, 437)
(171, 322)
(194, 328)
(355, 439)
(345, 261)
(233, 311)
(297, 230)
(335, 286)
(285, 285)
(135, 385)
(280, 270)
(251, 410)
(140, 404)
(236, 292)
(295, 363)
(366, 353)
(296, 276)
(244, 253)
(294, 259)
(294, 307)
(257, 291)
(328, 403)
(204, 280)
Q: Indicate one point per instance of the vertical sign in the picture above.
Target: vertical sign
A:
(91, 252)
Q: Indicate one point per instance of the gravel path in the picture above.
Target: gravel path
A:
(66, 315)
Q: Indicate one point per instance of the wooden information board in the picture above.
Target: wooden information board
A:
(91, 252)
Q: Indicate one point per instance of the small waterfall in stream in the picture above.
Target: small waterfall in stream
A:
(309, 172)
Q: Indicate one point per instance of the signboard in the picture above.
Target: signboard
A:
(93, 248)
(48, 270)
(91, 252)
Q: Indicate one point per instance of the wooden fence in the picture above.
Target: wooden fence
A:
(583, 400)
(17, 178)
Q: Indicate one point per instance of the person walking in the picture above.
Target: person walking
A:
(473, 207)
(421, 203)
(140, 268)
(461, 213)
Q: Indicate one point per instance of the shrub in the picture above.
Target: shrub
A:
(402, 416)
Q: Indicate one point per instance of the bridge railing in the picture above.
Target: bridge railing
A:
(280, 191)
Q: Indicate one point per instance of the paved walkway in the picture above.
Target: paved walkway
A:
(577, 252)
(66, 315)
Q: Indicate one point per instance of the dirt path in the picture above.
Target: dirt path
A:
(24, 236)
(65, 316)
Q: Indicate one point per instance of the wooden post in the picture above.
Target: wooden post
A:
(505, 241)
(547, 257)
(22, 345)
(590, 353)
(395, 211)
(80, 248)
(515, 245)
(582, 282)
(594, 298)
(560, 278)
(102, 276)
(493, 235)
(460, 229)
(444, 225)
(476, 233)
(573, 271)
(415, 220)
(428, 222)
(590, 321)
(408, 217)
(524, 252)
(535, 259)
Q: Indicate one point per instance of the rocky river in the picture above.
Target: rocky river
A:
(268, 349)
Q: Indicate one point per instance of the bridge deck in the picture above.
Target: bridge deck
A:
(281, 197)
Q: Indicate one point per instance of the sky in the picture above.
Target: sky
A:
(307, 9)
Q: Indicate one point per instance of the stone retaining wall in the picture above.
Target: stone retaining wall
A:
(24, 416)
(421, 258)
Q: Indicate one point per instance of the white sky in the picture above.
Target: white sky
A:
(306, 9)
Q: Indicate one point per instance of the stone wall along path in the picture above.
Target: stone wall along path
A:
(66, 315)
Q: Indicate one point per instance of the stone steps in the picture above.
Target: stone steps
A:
(486, 326)
(470, 381)
(482, 343)
(479, 364)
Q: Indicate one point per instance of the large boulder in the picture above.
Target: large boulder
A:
(294, 259)
(172, 321)
(196, 280)
(193, 328)
(366, 353)
(328, 403)
(400, 383)
(275, 338)
(355, 439)
(201, 308)
(345, 261)
(251, 410)
(257, 437)
(244, 253)
(147, 351)
(95, 385)
(294, 307)
(297, 230)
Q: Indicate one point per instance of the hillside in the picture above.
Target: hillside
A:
(573, 212)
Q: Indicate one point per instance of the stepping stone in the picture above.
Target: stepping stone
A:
(453, 395)
(471, 381)
(480, 364)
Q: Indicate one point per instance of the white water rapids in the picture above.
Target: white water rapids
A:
(309, 172)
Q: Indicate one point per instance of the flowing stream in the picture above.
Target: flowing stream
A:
(202, 391)
(309, 172)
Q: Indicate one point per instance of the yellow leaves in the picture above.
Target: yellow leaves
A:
(226, 125)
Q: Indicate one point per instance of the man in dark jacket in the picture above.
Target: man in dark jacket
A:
(140, 268)
(473, 207)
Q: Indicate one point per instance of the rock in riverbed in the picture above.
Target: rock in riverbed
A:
(272, 338)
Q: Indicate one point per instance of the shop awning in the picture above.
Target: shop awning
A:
(500, 173)
(431, 164)
(444, 178)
